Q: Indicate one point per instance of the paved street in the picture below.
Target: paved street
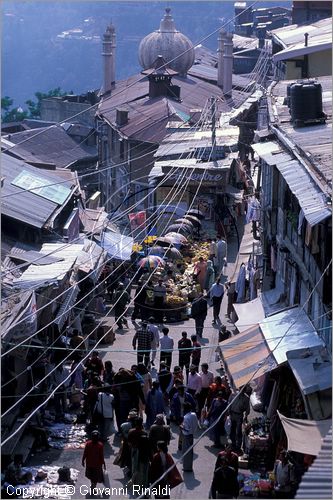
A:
(196, 484)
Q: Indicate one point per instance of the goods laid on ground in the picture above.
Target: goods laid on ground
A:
(254, 485)
(45, 478)
(67, 436)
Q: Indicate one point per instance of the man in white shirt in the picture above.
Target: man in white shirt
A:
(216, 294)
(207, 378)
(213, 252)
(156, 338)
(188, 427)
(166, 344)
(194, 383)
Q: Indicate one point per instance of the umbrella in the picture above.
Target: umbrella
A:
(184, 221)
(196, 213)
(164, 241)
(180, 228)
(193, 219)
(170, 253)
(151, 262)
(176, 238)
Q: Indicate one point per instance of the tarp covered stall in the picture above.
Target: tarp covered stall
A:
(250, 313)
(91, 259)
(287, 330)
(117, 245)
(312, 369)
(244, 355)
(305, 436)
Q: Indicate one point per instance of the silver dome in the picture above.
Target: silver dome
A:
(170, 43)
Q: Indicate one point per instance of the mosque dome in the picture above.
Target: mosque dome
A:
(170, 43)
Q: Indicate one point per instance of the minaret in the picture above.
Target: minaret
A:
(227, 64)
(220, 52)
(108, 55)
(113, 49)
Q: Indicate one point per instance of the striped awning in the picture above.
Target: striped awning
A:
(246, 354)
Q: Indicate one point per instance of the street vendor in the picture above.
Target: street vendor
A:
(159, 300)
(285, 479)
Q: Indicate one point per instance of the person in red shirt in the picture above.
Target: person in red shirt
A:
(95, 365)
(216, 387)
(93, 459)
(230, 457)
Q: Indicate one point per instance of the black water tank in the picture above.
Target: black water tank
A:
(306, 105)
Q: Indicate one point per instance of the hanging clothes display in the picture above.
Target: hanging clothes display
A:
(253, 210)
(240, 284)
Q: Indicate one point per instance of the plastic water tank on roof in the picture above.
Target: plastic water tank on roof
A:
(170, 43)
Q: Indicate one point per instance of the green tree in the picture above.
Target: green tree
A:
(35, 107)
(10, 114)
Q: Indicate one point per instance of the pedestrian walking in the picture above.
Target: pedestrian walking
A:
(142, 342)
(213, 252)
(224, 334)
(177, 404)
(59, 380)
(221, 253)
(109, 373)
(161, 462)
(207, 378)
(239, 411)
(121, 298)
(166, 344)
(225, 483)
(95, 365)
(159, 301)
(140, 454)
(188, 428)
(216, 412)
(159, 432)
(285, 478)
(196, 351)
(165, 380)
(156, 338)
(154, 404)
(200, 270)
(123, 458)
(216, 293)
(104, 409)
(93, 460)
(231, 294)
(194, 383)
(199, 311)
(140, 308)
(185, 351)
(210, 275)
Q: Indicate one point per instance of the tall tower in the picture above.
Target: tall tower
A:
(220, 54)
(109, 44)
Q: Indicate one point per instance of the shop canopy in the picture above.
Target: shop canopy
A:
(246, 355)
(117, 245)
(288, 330)
(305, 436)
(249, 313)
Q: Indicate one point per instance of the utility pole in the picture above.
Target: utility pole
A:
(213, 115)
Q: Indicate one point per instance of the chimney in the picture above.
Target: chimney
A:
(306, 37)
(227, 64)
(121, 117)
(220, 52)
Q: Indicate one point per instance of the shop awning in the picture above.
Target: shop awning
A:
(312, 368)
(305, 436)
(91, 258)
(117, 245)
(288, 330)
(249, 313)
(246, 354)
(65, 308)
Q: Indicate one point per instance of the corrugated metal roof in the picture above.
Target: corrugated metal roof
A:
(38, 276)
(288, 330)
(311, 199)
(91, 258)
(292, 37)
(314, 141)
(317, 481)
(25, 206)
(147, 118)
(312, 369)
(51, 145)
